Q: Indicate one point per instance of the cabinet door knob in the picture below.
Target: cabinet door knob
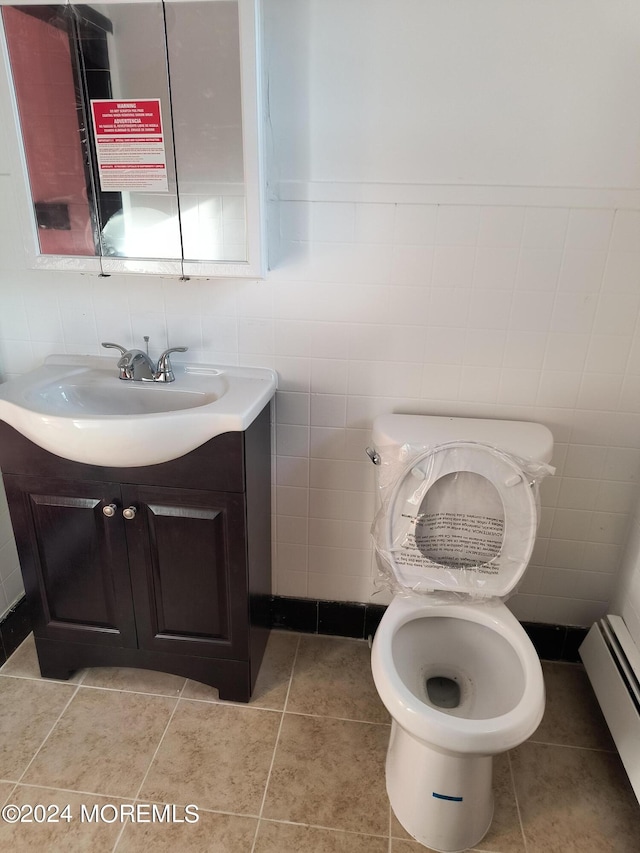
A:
(129, 512)
(109, 510)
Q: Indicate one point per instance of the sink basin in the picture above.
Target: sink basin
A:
(78, 408)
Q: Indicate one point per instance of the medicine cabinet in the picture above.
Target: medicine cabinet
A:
(138, 134)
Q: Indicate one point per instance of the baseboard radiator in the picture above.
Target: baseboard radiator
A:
(612, 661)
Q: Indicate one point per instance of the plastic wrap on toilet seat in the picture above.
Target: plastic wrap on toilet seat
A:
(456, 519)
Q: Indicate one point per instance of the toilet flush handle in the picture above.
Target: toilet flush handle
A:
(373, 455)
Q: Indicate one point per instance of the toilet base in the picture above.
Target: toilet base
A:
(443, 800)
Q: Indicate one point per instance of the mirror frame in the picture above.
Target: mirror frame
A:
(251, 87)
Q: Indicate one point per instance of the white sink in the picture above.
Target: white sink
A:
(78, 408)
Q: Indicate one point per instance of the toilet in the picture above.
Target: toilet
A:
(454, 668)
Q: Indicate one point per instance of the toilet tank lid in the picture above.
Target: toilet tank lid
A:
(520, 438)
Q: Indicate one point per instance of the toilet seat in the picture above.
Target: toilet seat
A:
(414, 570)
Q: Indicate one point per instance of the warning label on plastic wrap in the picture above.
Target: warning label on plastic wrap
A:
(456, 540)
(130, 145)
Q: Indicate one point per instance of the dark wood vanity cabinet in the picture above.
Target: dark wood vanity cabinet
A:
(164, 567)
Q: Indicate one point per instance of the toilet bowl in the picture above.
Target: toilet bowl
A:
(439, 761)
(457, 673)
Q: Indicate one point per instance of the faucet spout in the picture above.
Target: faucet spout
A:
(137, 366)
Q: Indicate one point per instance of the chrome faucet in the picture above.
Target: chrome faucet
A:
(136, 366)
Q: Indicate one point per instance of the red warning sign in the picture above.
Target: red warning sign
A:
(130, 145)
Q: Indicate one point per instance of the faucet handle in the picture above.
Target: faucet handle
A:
(124, 369)
(108, 345)
(164, 372)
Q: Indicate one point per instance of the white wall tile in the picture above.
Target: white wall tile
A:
(457, 225)
(626, 231)
(412, 265)
(616, 314)
(574, 313)
(589, 229)
(525, 349)
(581, 271)
(518, 386)
(327, 443)
(501, 226)
(559, 388)
(622, 272)
(291, 531)
(374, 223)
(545, 228)
(531, 311)
(441, 382)
(328, 410)
(538, 269)
(566, 351)
(490, 309)
(415, 223)
(291, 471)
(333, 222)
(453, 267)
(479, 384)
(495, 268)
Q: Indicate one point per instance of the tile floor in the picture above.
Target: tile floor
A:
(299, 769)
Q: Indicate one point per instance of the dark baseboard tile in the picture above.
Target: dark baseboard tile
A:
(351, 619)
(338, 618)
(14, 627)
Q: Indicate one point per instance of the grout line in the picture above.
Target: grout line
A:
(72, 791)
(275, 746)
(9, 797)
(153, 757)
(40, 679)
(573, 746)
(323, 827)
(332, 717)
(48, 735)
(515, 796)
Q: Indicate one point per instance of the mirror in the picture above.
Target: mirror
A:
(139, 133)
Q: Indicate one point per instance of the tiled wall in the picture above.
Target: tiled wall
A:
(11, 587)
(479, 311)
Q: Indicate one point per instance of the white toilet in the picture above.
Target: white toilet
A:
(454, 668)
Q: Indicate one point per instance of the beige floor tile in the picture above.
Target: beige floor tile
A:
(403, 845)
(61, 836)
(572, 715)
(505, 833)
(330, 773)
(273, 678)
(28, 710)
(103, 743)
(215, 756)
(574, 800)
(213, 833)
(24, 663)
(332, 677)
(291, 838)
(5, 789)
(134, 680)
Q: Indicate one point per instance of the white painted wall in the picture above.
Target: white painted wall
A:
(455, 228)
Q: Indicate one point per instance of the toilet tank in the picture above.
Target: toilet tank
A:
(519, 438)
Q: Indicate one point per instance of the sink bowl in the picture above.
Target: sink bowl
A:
(78, 408)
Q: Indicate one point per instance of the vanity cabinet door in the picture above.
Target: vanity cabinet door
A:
(73, 558)
(187, 554)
